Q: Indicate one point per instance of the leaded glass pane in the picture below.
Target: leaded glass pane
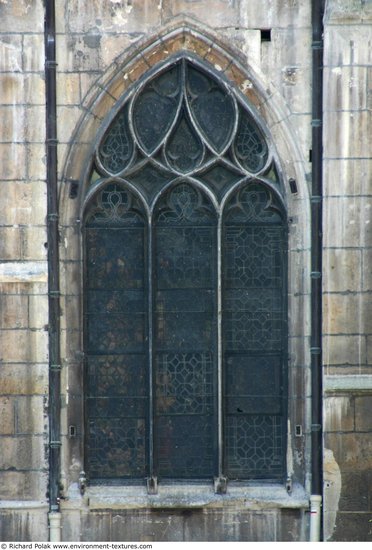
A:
(155, 108)
(116, 334)
(212, 108)
(250, 145)
(185, 334)
(254, 250)
(117, 146)
(184, 149)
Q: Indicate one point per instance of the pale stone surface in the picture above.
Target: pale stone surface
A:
(13, 311)
(118, 16)
(24, 378)
(22, 15)
(339, 414)
(33, 52)
(21, 346)
(68, 86)
(347, 314)
(224, 13)
(347, 222)
(347, 177)
(347, 88)
(12, 161)
(10, 52)
(344, 350)
(22, 453)
(342, 270)
(17, 202)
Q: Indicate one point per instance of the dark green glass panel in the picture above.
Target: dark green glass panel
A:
(115, 336)
(250, 145)
(212, 108)
(184, 149)
(116, 148)
(254, 334)
(155, 108)
(185, 334)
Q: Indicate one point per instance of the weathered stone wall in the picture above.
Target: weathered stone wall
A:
(347, 270)
(23, 279)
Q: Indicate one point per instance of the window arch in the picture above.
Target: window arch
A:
(185, 245)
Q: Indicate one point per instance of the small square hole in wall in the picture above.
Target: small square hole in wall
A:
(265, 35)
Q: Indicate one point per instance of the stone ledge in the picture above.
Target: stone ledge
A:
(259, 497)
(354, 383)
(23, 504)
(23, 272)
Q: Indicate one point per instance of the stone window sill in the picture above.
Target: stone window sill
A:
(253, 497)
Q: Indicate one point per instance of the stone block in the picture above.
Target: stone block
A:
(23, 485)
(113, 46)
(363, 413)
(247, 41)
(70, 116)
(11, 88)
(344, 350)
(24, 379)
(17, 201)
(34, 128)
(118, 17)
(342, 270)
(290, 524)
(347, 45)
(13, 123)
(7, 414)
(346, 88)
(267, 14)
(223, 14)
(347, 314)
(339, 413)
(353, 527)
(346, 177)
(347, 222)
(96, 525)
(12, 161)
(88, 83)
(74, 54)
(23, 346)
(34, 89)
(38, 311)
(10, 52)
(30, 415)
(366, 269)
(23, 452)
(68, 85)
(21, 16)
(24, 525)
(33, 52)
(344, 134)
(33, 243)
(13, 311)
(36, 161)
(352, 451)
(355, 491)
(10, 243)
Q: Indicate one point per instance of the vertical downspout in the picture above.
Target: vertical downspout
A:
(316, 271)
(54, 515)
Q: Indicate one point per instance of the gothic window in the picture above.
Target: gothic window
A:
(185, 247)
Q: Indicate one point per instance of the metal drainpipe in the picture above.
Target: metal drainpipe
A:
(316, 271)
(54, 515)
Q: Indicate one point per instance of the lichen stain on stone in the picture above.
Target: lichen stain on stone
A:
(92, 40)
(332, 492)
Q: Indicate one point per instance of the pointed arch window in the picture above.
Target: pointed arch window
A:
(185, 247)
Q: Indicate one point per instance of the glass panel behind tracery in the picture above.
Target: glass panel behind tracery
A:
(254, 250)
(185, 319)
(116, 325)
